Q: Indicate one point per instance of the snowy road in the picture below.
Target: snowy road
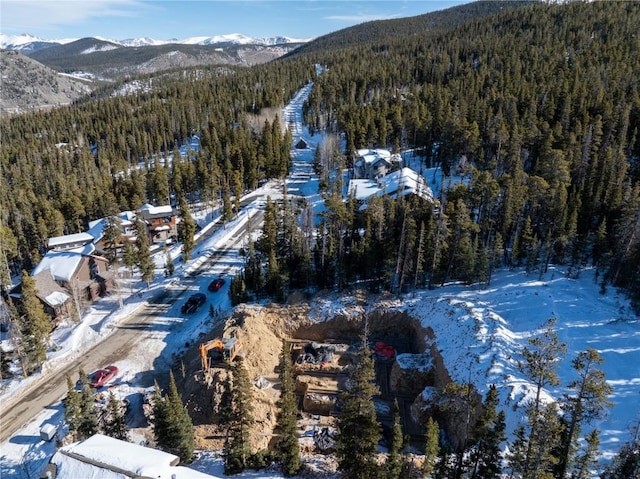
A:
(133, 330)
(146, 334)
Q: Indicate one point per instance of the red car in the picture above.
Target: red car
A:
(216, 284)
(100, 377)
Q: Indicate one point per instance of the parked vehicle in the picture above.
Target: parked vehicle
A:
(216, 284)
(193, 303)
(100, 377)
(48, 432)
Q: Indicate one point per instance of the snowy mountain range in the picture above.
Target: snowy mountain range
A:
(26, 43)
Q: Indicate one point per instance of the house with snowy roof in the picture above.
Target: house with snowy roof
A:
(161, 223)
(103, 457)
(125, 222)
(401, 182)
(68, 242)
(57, 301)
(77, 272)
(372, 164)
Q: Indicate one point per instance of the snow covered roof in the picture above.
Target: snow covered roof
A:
(96, 228)
(151, 210)
(404, 181)
(63, 264)
(370, 155)
(57, 298)
(103, 457)
(77, 238)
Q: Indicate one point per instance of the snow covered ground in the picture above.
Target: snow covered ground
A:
(480, 330)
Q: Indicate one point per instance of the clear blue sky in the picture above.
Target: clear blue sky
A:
(165, 19)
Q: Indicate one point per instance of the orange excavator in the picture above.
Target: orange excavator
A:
(219, 349)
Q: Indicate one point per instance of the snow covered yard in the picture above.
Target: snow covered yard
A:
(481, 332)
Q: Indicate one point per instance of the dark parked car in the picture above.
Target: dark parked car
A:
(193, 303)
(216, 284)
(100, 377)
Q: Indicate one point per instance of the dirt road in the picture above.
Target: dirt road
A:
(25, 405)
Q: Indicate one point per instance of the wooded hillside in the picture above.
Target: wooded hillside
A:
(542, 103)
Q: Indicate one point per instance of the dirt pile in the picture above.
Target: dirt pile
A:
(261, 330)
(325, 348)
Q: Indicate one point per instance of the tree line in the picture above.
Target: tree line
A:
(539, 102)
(542, 105)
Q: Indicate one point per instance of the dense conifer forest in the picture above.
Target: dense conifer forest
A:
(538, 105)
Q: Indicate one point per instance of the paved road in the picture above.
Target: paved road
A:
(23, 408)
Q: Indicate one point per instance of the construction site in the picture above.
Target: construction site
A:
(407, 363)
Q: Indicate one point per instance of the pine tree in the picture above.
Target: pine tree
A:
(225, 405)
(287, 444)
(238, 450)
(182, 440)
(186, 229)
(394, 461)
(588, 401)
(489, 433)
(111, 236)
(88, 420)
(253, 274)
(359, 431)
(431, 447)
(534, 452)
(540, 365)
(115, 424)
(72, 407)
(143, 253)
(172, 424)
(238, 290)
(589, 458)
(161, 418)
(35, 325)
(274, 280)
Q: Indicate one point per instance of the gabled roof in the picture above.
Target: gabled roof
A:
(370, 155)
(48, 290)
(401, 182)
(77, 238)
(63, 264)
(103, 457)
(150, 210)
(96, 227)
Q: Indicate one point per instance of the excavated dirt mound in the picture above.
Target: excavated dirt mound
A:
(262, 330)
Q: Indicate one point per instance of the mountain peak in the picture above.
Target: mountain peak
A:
(27, 42)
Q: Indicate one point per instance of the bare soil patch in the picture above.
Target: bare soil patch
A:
(263, 330)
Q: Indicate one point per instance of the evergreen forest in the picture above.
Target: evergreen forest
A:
(538, 106)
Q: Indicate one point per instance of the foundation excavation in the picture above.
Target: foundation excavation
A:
(409, 371)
